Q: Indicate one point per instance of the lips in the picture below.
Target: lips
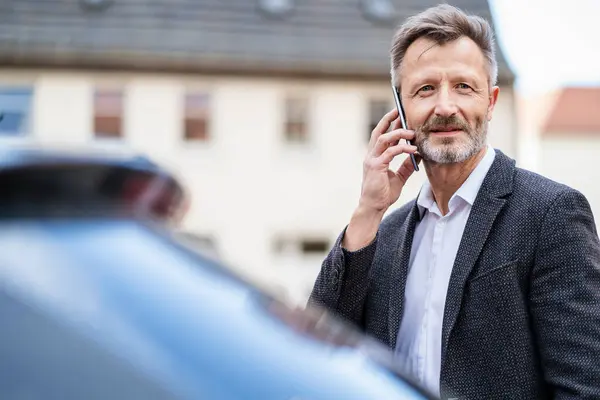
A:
(445, 129)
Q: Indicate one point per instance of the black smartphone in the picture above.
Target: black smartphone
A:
(403, 121)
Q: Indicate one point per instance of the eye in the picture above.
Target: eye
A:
(426, 88)
(463, 86)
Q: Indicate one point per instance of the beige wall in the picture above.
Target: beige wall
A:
(573, 160)
(531, 112)
(247, 185)
(503, 131)
(565, 157)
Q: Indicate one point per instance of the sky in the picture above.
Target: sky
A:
(549, 43)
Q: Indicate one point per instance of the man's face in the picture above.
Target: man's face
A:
(447, 98)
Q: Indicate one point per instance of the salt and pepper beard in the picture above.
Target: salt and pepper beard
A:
(451, 149)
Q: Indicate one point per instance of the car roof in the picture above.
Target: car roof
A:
(32, 155)
(37, 179)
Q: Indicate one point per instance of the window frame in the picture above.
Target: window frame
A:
(296, 131)
(207, 116)
(25, 111)
(120, 115)
(372, 119)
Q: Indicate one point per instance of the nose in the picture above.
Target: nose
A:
(445, 106)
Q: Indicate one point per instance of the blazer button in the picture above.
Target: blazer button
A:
(335, 277)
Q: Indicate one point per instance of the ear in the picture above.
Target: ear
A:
(493, 99)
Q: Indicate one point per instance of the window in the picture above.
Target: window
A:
(95, 5)
(314, 246)
(301, 246)
(108, 113)
(275, 8)
(15, 110)
(377, 109)
(296, 115)
(196, 120)
(379, 10)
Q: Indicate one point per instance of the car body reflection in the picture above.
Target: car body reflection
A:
(100, 299)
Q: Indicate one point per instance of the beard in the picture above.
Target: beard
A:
(451, 149)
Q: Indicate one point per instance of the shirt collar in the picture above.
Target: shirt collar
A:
(468, 190)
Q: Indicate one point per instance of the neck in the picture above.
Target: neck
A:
(445, 179)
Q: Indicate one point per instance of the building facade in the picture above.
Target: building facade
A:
(569, 141)
(269, 140)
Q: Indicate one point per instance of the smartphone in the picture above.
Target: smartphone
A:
(403, 121)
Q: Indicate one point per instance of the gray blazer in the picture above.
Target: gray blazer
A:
(522, 316)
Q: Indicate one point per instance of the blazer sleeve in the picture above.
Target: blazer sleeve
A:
(565, 298)
(341, 285)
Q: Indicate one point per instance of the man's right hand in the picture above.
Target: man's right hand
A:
(381, 187)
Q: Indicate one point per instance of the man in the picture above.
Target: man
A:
(487, 286)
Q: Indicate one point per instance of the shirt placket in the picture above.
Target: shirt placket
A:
(436, 247)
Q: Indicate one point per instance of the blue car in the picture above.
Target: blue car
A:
(99, 299)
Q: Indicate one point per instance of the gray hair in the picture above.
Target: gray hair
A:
(444, 23)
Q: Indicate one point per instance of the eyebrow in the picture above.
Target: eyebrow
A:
(426, 77)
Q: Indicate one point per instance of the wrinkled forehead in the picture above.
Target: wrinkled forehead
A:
(425, 57)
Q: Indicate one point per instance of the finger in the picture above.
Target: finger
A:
(406, 169)
(397, 124)
(383, 126)
(391, 139)
(396, 150)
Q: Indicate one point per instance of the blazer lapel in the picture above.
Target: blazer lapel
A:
(488, 204)
(400, 272)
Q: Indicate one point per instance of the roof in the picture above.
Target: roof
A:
(575, 111)
(330, 37)
(24, 156)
